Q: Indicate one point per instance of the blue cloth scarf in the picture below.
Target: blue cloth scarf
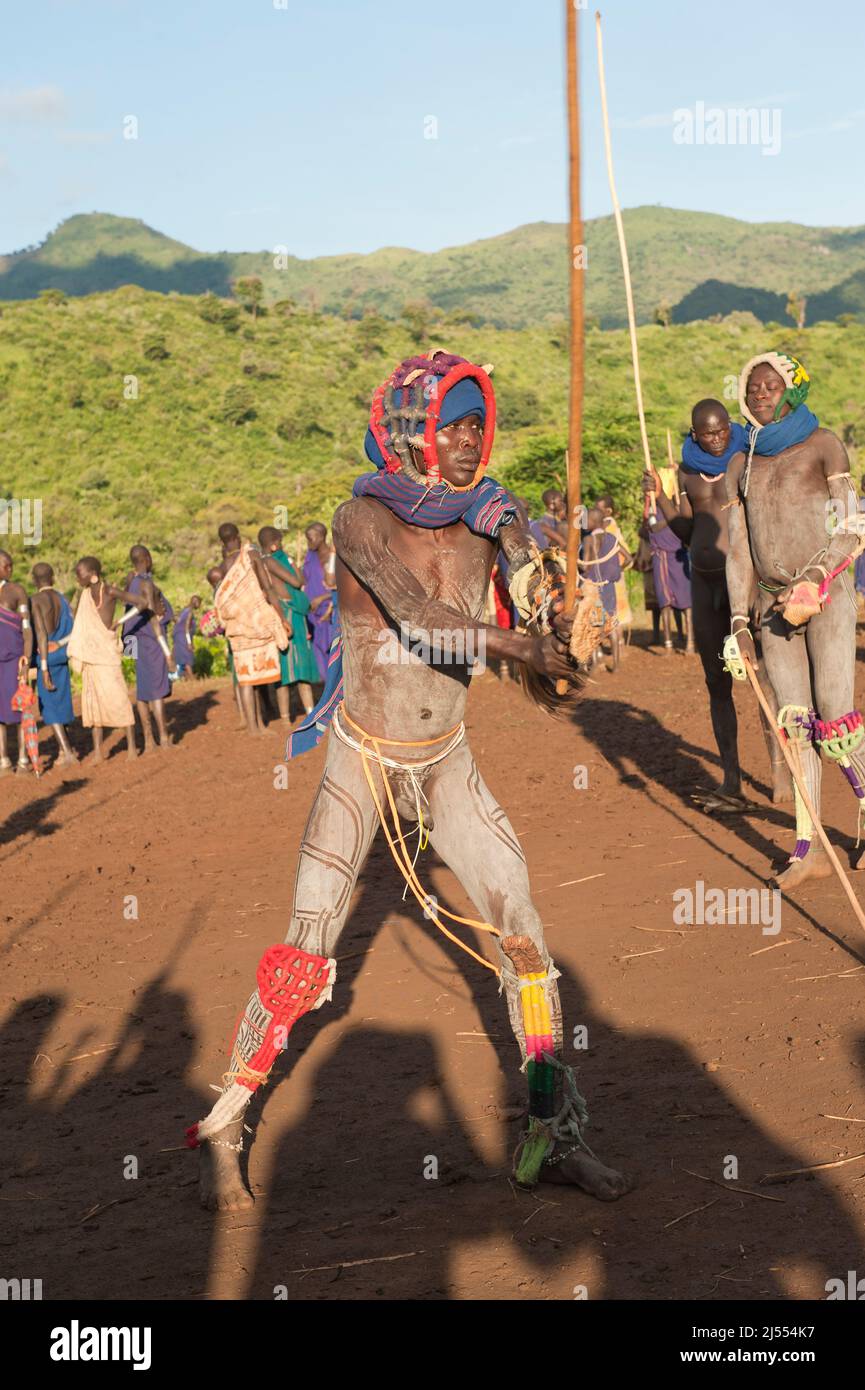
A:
(696, 460)
(784, 433)
(485, 509)
(315, 725)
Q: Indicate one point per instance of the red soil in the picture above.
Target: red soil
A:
(704, 1042)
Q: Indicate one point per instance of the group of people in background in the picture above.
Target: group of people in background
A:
(279, 621)
(604, 557)
(279, 624)
(43, 638)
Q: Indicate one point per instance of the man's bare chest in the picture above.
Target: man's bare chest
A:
(707, 498)
(787, 495)
(452, 564)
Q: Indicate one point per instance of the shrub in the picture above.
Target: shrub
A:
(237, 406)
(211, 657)
(517, 407)
(154, 347)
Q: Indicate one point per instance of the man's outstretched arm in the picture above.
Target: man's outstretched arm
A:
(361, 537)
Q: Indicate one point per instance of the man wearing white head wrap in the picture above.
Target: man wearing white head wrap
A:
(785, 497)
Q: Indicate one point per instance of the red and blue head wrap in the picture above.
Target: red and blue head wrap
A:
(421, 396)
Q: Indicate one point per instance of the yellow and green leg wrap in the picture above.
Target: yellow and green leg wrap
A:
(556, 1109)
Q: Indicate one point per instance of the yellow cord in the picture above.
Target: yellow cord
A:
(403, 861)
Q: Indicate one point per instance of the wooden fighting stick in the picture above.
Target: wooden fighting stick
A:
(577, 294)
(796, 774)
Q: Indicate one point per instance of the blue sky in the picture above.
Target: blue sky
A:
(302, 123)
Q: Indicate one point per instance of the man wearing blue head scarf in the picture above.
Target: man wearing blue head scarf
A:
(415, 549)
(793, 512)
(699, 519)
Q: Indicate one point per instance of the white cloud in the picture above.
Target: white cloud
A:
(32, 104)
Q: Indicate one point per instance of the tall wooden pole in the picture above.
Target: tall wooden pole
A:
(577, 288)
(577, 283)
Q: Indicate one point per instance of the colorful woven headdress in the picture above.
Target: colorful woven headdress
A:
(424, 394)
(796, 380)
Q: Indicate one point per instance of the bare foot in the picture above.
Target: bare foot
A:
(67, 760)
(860, 862)
(782, 786)
(220, 1184)
(130, 753)
(579, 1169)
(814, 865)
(5, 766)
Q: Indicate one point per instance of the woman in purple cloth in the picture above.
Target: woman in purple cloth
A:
(319, 575)
(672, 575)
(184, 631)
(16, 647)
(603, 557)
(149, 647)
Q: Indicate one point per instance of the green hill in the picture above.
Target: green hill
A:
(134, 416)
(698, 263)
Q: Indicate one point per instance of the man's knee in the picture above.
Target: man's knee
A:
(516, 915)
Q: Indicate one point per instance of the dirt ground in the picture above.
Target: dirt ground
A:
(736, 1046)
